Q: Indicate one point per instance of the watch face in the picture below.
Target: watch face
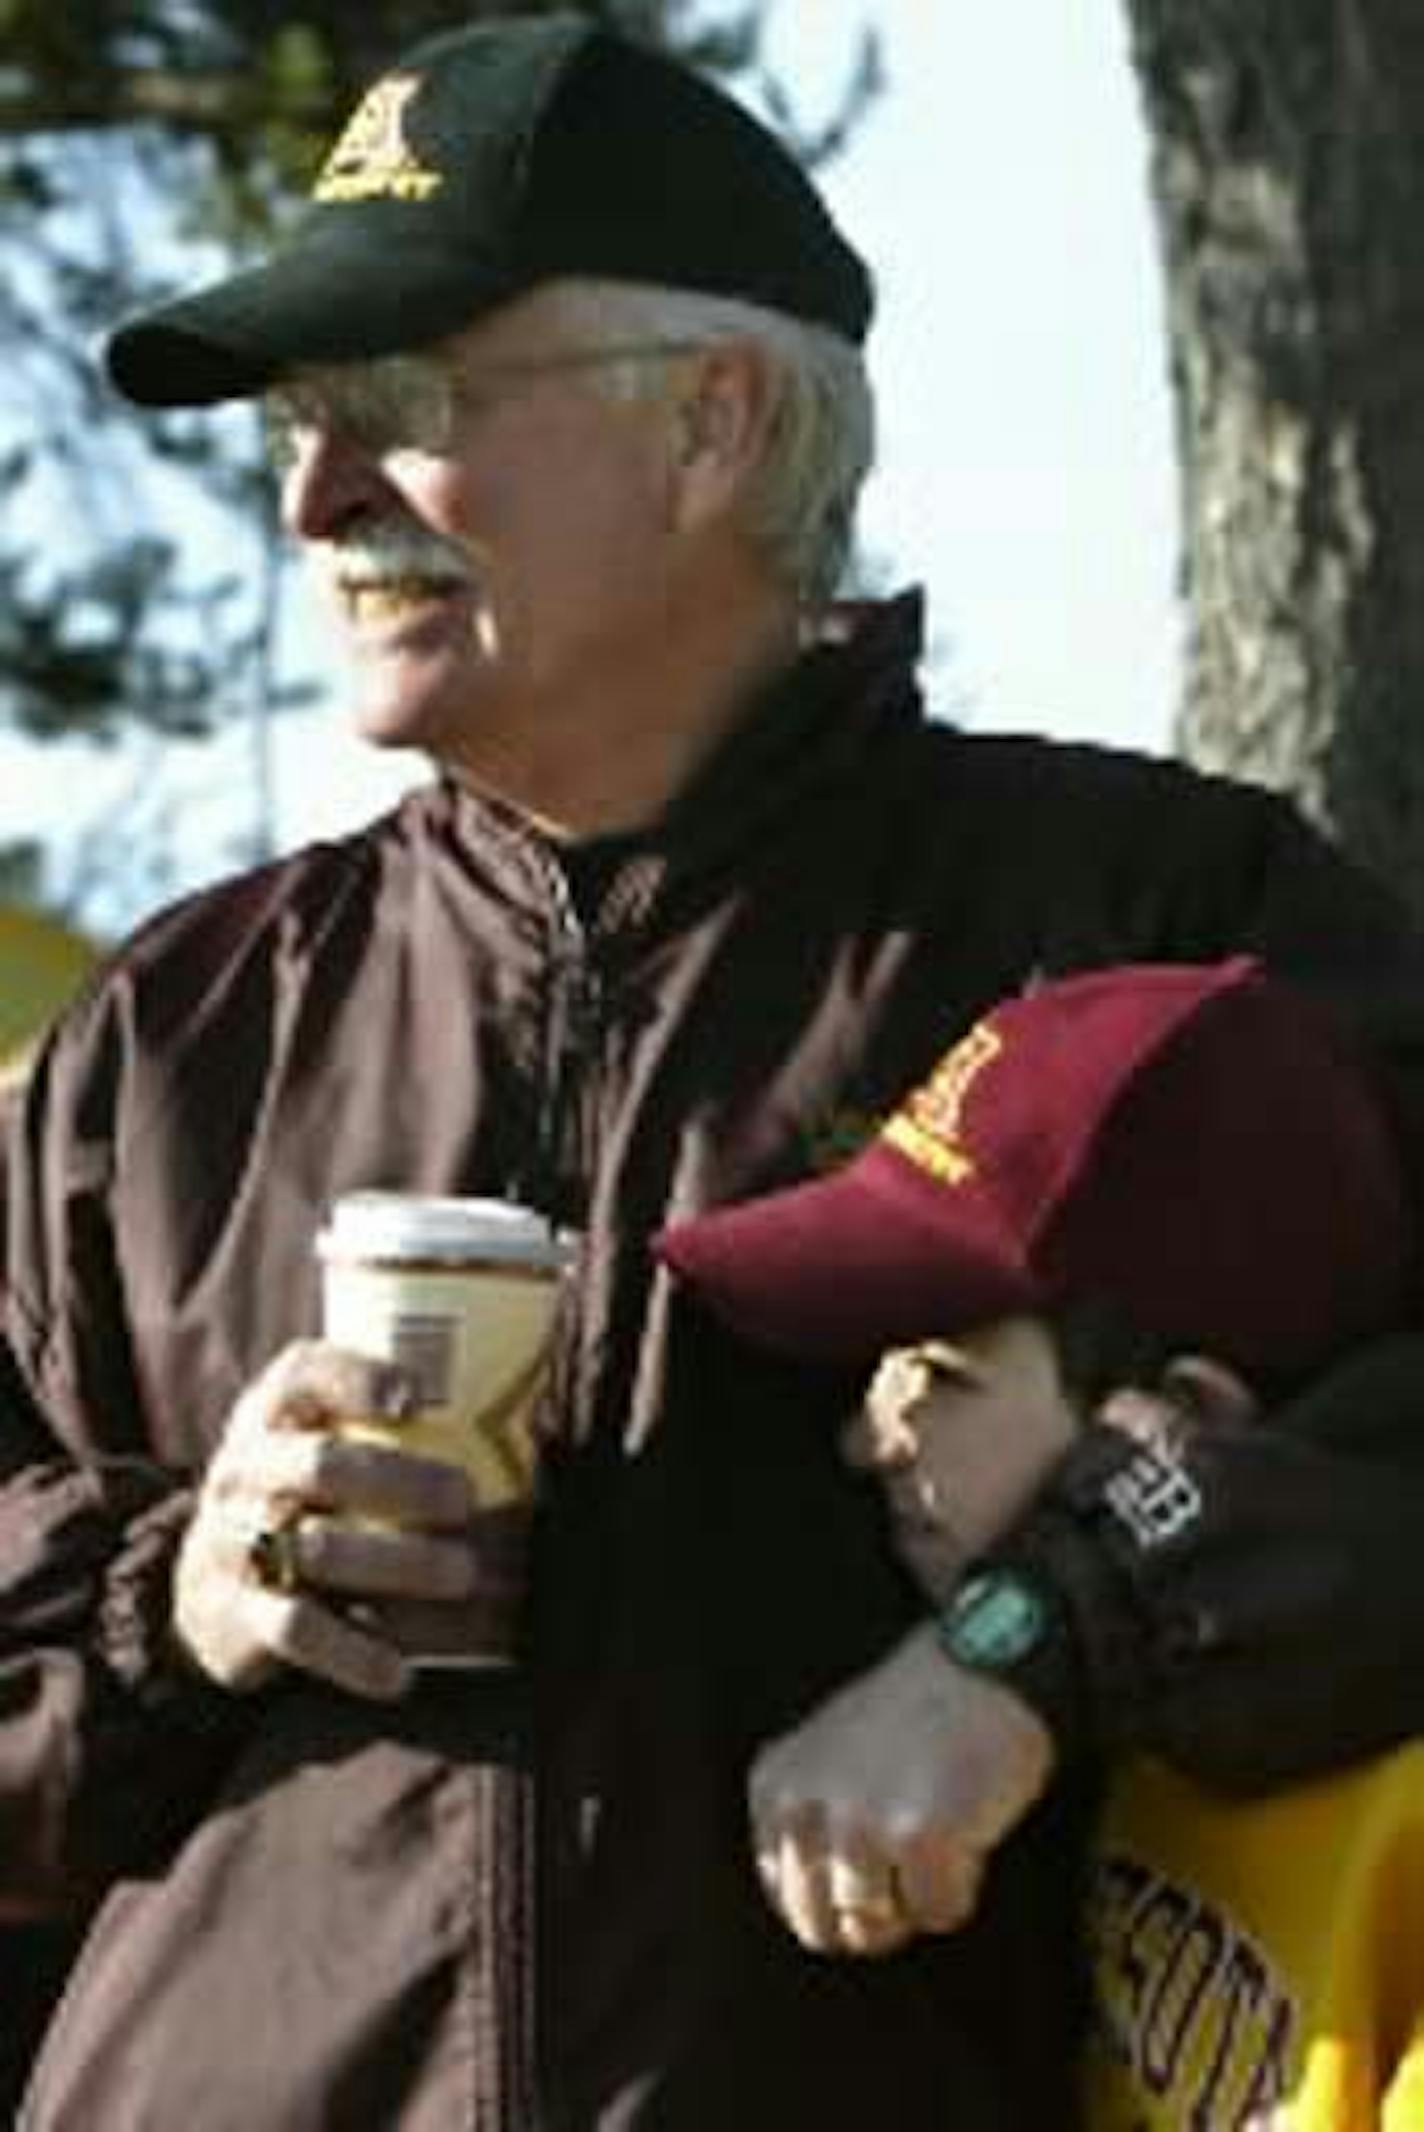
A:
(993, 1621)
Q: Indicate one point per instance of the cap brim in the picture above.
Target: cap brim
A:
(836, 1270)
(326, 299)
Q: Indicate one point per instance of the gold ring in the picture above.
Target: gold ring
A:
(272, 1555)
(877, 1907)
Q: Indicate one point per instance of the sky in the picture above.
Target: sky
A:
(1025, 464)
(998, 187)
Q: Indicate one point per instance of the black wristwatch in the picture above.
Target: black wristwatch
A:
(1012, 1626)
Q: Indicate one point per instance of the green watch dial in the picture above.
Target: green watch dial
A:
(993, 1621)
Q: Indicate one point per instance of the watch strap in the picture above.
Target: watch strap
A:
(1008, 1621)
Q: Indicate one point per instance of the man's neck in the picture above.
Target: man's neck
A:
(614, 753)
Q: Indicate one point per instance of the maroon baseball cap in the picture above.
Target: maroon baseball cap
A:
(1193, 1143)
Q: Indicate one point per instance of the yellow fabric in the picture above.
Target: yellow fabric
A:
(41, 965)
(1260, 1968)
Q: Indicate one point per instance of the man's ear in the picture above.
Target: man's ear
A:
(1209, 1391)
(720, 417)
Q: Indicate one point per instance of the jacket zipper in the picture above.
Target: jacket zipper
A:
(559, 1186)
(572, 1017)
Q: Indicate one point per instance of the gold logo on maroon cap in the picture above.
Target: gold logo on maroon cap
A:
(373, 160)
(928, 1126)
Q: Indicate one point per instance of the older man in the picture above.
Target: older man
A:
(564, 365)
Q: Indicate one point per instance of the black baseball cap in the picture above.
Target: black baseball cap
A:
(487, 161)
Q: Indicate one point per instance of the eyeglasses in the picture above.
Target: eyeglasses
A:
(414, 403)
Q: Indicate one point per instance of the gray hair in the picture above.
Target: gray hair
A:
(822, 438)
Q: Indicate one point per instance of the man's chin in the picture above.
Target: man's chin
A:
(394, 724)
(401, 702)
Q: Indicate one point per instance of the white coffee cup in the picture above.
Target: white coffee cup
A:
(461, 1294)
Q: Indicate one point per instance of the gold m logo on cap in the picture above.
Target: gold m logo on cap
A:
(927, 1128)
(373, 159)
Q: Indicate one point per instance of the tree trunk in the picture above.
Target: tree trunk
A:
(1288, 172)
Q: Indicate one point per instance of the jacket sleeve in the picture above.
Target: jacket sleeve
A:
(107, 1750)
(1152, 862)
(1270, 884)
(109, 1745)
(1250, 1604)
(1255, 1613)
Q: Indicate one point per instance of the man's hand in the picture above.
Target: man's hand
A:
(874, 1819)
(281, 1467)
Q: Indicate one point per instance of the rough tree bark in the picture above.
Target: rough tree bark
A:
(1288, 173)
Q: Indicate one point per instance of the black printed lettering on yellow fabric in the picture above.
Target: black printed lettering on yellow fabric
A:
(1268, 2082)
(1117, 1885)
(1240, 1985)
(1175, 2004)
(1186, 2002)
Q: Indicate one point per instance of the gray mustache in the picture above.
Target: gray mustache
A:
(379, 553)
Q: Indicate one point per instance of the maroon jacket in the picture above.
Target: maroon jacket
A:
(529, 1902)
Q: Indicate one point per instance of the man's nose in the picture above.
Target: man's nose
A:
(330, 482)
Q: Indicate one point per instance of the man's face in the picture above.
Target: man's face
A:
(961, 1433)
(493, 528)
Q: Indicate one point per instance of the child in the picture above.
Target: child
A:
(1173, 1178)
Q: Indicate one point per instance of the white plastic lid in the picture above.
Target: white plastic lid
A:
(407, 1225)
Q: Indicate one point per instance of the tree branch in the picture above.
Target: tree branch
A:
(211, 103)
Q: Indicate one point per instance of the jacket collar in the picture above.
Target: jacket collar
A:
(853, 685)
